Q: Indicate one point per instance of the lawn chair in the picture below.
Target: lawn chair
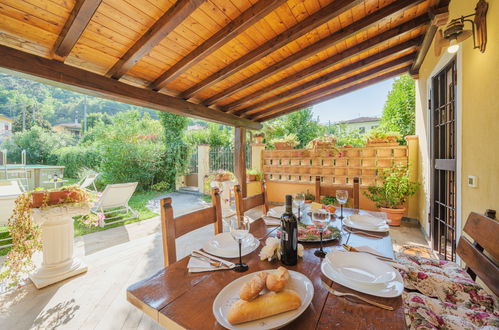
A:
(9, 190)
(89, 181)
(113, 203)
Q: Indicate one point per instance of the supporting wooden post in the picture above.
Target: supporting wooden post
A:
(240, 157)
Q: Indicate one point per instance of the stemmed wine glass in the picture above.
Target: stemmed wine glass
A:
(299, 200)
(342, 197)
(321, 219)
(239, 228)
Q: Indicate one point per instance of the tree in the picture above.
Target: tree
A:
(400, 107)
(176, 156)
(31, 116)
(215, 135)
(299, 122)
(97, 117)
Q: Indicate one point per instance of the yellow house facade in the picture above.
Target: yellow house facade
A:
(474, 184)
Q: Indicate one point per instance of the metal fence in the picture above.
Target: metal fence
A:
(222, 158)
(193, 165)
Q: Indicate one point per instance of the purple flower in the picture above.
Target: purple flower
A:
(417, 299)
(443, 262)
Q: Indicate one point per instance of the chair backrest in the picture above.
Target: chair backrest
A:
(116, 195)
(485, 233)
(89, 180)
(10, 187)
(247, 203)
(172, 228)
(7, 203)
(327, 190)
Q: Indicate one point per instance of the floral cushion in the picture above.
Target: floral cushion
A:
(422, 312)
(447, 268)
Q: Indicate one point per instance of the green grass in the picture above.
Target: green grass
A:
(137, 202)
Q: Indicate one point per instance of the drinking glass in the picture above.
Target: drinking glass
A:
(321, 219)
(299, 200)
(342, 197)
(239, 229)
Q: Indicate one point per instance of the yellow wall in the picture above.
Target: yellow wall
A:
(478, 116)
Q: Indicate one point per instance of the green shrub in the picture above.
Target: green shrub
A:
(75, 158)
(329, 200)
(160, 186)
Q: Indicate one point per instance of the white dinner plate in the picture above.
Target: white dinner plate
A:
(387, 290)
(363, 226)
(223, 245)
(361, 267)
(230, 294)
(367, 220)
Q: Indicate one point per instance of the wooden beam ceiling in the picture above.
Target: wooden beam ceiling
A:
(325, 64)
(260, 113)
(81, 14)
(394, 9)
(320, 17)
(249, 17)
(157, 32)
(370, 60)
(344, 91)
(439, 17)
(53, 72)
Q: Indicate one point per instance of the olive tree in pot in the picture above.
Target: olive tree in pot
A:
(393, 193)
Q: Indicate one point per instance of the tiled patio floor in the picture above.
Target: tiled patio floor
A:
(116, 258)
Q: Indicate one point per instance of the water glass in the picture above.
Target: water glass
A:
(342, 198)
(321, 219)
(299, 201)
(239, 228)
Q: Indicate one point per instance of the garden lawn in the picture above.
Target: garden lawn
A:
(137, 202)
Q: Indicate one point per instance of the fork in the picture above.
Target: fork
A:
(212, 262)
(345, 294)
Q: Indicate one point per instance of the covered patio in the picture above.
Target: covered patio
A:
(242, 63)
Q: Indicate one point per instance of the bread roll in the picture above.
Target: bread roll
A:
(251, 289)
(277, 280)
(268, 304)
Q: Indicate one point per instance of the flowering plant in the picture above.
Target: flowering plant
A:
(272, 249)
(26, 235)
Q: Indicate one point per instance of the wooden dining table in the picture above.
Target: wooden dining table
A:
(177, 299)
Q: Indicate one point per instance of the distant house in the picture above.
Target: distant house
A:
(5, 127)
(364, 124)
(70, 128)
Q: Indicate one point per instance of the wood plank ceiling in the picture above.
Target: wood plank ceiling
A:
(238, 62)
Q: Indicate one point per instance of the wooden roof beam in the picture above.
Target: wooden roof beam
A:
(336, 94)
(249, 17)
(301, 28)
(82, 13)
(175, 15)
(55, 73)
(439, 17)
(328, 62)
(393, 9)
(370, 60)
(259, 113)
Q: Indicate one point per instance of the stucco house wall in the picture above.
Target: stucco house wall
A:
(477, 124)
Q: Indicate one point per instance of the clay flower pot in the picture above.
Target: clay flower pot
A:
(251, 177)
(53, 198)
(259, 139)
(395, 215)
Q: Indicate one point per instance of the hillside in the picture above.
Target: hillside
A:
(56, 105)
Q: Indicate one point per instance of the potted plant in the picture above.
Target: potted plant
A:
(309, 198)
(251, 174)
(378, 136)
(259, 137)
(285, 143)
(323, 142)
(26, 235)
(393, 193)
(222, 175)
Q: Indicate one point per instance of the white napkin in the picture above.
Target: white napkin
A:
(271, 221)
(276, 212)
(197, 265)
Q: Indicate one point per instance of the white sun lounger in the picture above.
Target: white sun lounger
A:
(89, 182)
(113, 203)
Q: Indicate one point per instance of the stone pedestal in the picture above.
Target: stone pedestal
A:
(57, 229)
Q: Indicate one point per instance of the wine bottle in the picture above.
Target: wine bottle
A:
(289, 239)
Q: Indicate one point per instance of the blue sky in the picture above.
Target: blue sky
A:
(367, 101)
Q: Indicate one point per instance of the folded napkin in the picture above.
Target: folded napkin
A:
(197, 265)
(276, 212)
(271, 221)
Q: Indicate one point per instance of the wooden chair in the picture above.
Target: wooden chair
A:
(172, 228)
(323, 190)
(247, 203)
(481, 256)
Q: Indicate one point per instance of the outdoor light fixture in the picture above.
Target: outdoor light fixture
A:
(455, 32)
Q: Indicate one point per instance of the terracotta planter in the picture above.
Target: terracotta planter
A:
(222, 177)
(251, 177)
(54, 198)
(395, 215)
(388, 141)
(258, 139)
(283, 146)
